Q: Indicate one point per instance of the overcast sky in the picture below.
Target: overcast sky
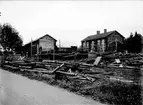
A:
(71, 21)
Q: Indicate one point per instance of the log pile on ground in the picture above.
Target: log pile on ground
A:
(107, 81)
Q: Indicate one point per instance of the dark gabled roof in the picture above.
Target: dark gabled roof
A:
(99, 36)
(40, 38)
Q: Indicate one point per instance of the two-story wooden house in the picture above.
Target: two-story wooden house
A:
(103, 42)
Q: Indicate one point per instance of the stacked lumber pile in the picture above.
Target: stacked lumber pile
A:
(70, 70)
(58, 68)
(93, 78)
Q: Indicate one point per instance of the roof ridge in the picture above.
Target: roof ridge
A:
(97, 36)
(106, 32)
(40, 38)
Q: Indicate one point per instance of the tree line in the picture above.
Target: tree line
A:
(133, 44)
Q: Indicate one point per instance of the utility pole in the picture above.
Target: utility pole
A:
(37, 52)
(53, 54)
(116, 44)
(59, 43)
(31, 47)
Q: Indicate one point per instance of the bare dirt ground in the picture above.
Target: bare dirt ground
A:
(18, 90)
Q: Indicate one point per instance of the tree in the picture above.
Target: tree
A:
(10, 39)
(137, 42)
(134, 43)
(128, 43)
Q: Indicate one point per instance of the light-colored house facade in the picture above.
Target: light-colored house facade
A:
(45, 43)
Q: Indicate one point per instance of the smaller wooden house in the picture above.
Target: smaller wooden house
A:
(41, 45)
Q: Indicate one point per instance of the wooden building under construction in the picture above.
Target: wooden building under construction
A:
(41, 45)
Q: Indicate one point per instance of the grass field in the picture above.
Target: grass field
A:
(104, 90)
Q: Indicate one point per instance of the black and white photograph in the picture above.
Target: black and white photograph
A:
(71, 52)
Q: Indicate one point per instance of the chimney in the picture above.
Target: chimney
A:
(98, 32)
(105, 30)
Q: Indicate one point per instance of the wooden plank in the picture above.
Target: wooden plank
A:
(57, 68)
(11, 67)
(97, 60)
(117, 61)
(44, 72)
(67, 73)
